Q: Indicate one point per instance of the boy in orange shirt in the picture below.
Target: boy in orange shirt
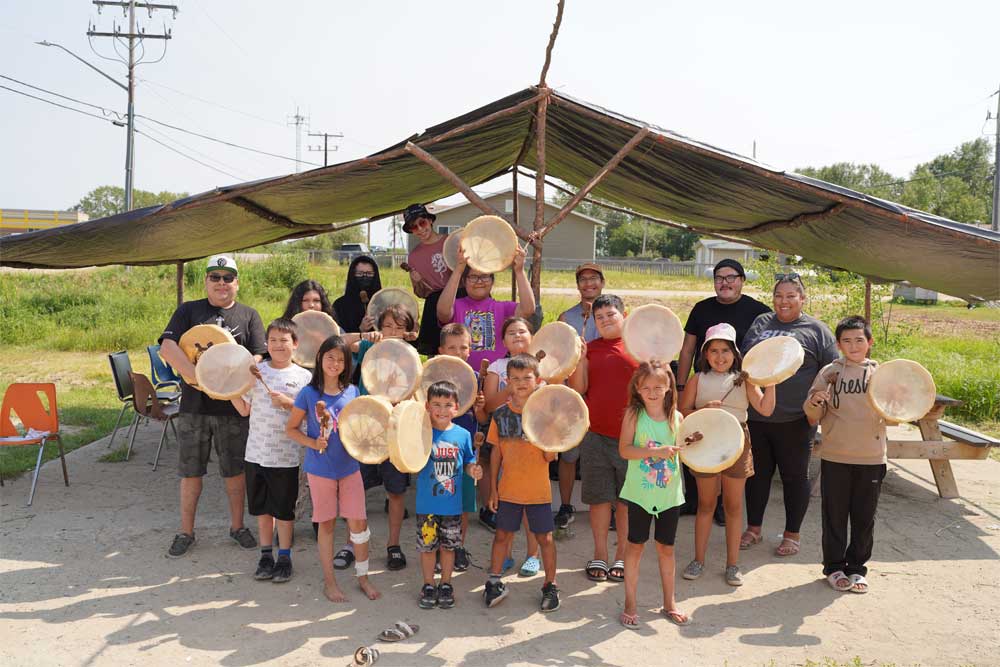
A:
(523, 488)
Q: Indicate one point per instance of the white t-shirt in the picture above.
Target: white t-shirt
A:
(499, 367)
(267, 444)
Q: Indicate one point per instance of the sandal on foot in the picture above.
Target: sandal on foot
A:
(750, 538)
(398, 632)
(530, 567)
(365, 655)
(630, 621)
(343, 559)
(617, 571)
(859, 584)
(788, 547)
(676, 617)
(839, 581)
(597, 570)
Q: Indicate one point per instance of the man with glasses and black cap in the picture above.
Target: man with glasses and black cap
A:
(203, 420)
(729, 305)
(428, 272)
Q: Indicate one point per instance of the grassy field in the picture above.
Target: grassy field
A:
(60, 326)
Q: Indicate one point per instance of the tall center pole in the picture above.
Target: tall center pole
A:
(996, 172)
(130, 141)
(536, 256)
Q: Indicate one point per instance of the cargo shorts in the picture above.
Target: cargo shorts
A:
(197, 433)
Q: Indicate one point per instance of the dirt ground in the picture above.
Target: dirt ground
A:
(86, 582)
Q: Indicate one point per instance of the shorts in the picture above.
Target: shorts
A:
(272, 491)
(602, 469)
(344, 497)
(665, 524)
(385, 474)
(468, 494)
(509, 516)
(742, 468)
(438, 530)
(570, 456)
(197, 433)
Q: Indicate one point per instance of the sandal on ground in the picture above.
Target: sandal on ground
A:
(630, 621)
(396, 559)
(676, 617)
(343, 559)
(839, 581)
(788, 547)
(750, 538)
(617, 571)
(597, 570)
(859, 584)
(365, 655)
(530, 567)
(398, 632)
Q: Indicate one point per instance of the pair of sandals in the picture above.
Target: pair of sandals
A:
(788, 546)
(598, 570)
(631, 621)
(842, 583)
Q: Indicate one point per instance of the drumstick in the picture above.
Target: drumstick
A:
(324, 420)
(363, 295)
(540, 355)
(406, 267)
(586, 308)
(693, 438)
(255, 371)
(484, 368)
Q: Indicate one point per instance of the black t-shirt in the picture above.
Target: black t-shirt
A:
(709, 312)
(243, 322)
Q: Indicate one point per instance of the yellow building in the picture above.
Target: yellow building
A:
(20, 220)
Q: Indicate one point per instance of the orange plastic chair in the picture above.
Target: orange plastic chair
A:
(24, 400)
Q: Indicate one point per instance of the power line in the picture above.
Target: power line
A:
(166, 137)
(182, 154)
(65, 97)
(62, 106)
(214, 104)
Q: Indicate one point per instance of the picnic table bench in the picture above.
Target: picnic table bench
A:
(964, 443)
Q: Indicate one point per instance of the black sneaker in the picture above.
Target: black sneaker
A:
(396, 560)
(719, 516)
(265, 568)
(488, 519)
(429, 597)
(282, 571)
(461, 559)
(565, 516)
(182, 542)
(494, 593)
(244, 538)
(446, 596)
(550, 597)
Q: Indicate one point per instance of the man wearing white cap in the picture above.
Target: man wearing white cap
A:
(202, 420)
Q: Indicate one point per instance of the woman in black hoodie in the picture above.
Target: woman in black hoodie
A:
(362, 276)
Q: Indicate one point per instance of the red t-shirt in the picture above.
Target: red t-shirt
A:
(609, 369)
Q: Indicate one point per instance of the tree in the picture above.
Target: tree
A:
(868, 178)
(957, 185)
(110, 200)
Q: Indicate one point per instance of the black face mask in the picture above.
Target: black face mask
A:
(364, 282)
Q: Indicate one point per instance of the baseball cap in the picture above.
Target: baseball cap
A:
(721, 331)
(732, 264)
(414, 212)
(589, 266)
(221, 263)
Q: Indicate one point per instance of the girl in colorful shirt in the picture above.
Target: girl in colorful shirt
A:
(652, 489)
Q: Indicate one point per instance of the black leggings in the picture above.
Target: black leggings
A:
(786, 446)
(638, 524)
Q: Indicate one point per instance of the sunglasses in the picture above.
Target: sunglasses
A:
(224, 277)
(791, 277)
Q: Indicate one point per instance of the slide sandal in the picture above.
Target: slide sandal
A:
(859, 584)
(398, 632)
(597, 570)
(364, 656)
(839, 581)
(617, 571)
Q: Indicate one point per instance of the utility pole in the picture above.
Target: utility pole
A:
(298, 120)
(996, 170)
(128, 9)
(326, 137)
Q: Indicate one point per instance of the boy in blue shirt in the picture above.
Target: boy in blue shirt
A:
(439, 495)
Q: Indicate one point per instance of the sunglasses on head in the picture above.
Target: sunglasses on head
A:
(224, 277)
(779, 277)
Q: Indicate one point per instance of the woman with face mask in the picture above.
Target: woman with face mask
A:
(362, 276)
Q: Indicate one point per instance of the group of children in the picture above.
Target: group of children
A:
(633, 463)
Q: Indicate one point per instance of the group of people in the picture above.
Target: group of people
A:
(628, 462)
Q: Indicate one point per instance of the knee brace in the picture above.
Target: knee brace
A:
(360, 567)
(361, 538)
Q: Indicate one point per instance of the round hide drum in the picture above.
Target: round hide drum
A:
(653, 332)
(313, 328)
(774, 360)
(901, 390)
(489, 243)
(223, 371)
(555, 418)
(389, 295)
(391, 369)
(450, 250)
(721, 442)
(410, 436)
(454, 370)
(199, 338)
(562, 348)
(363, 425)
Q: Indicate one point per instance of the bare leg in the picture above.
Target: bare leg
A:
(633, 554)
(501, 546)
(447, 565)
(465, 526)
(548, 549)
(427, 561)
(265, 526)
(324, 541)
(190, 492)
(236, 489)
(483, 488)
(567, 478)
(665, 556)
(708, 491)
(361, 554)
(531, 540)
(600, 522)
(397, 507)
(621, 520)
(732, 502)
(285, 531)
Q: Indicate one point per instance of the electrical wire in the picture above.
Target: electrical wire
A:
(103, 110)
(214, 104)
(62, 106)
(242, 175)
(185, 155)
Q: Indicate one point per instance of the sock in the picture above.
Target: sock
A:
(285, 553)
(266, 551)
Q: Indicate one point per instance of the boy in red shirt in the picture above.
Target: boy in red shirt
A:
(602, 377)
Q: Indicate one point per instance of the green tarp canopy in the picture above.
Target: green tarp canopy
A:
(667, 176)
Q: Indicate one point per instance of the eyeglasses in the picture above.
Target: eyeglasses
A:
(224, 277)
(779, 277)
(364, 274)
(479, 279)
(729, 280)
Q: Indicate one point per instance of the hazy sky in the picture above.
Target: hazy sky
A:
(887, 81)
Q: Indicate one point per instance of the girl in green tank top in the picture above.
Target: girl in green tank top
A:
(653, 490)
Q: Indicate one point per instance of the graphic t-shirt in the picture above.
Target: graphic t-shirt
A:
(652, 483)
(609, 370)
(525, 477)
(428, 260)
(439, 484)
(335, 462)
(267, 444)
(709, 312)
(243, 322)
(485, 320)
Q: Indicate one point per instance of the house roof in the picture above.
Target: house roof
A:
(667, 176)
(437, 209)
(721, 244)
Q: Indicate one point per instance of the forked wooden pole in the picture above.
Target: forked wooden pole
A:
(536, 256)
(516, 223)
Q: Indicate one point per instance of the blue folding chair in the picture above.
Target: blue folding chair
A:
(161, 373)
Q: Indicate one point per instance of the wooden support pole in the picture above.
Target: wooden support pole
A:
(868, 301)
(536, 256)
(180, 283)
(552, 42)
(517, 224)
(595, 179)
